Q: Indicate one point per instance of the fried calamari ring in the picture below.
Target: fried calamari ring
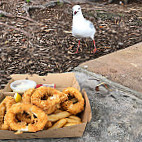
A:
(71, 106)
(2, 114)
(26, 98)
(8, 102)
(4, 107)
(48, 99)
(27, 117)
(38, 123)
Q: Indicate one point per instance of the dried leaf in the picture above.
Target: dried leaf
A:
(101, 27)
(68, 32)
(48, 30)
(104, 85)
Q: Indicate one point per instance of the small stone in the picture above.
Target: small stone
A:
(120, 43)
(113, 31)
(85, 66)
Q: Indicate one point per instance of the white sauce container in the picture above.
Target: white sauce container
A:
(20, 86)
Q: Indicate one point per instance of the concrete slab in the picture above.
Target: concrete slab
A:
(123, 66)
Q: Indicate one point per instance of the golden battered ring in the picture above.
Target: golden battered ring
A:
(38, 123)
(4, 107)
(28, 118)
(48, 99)
(26, 98)
(71, 106)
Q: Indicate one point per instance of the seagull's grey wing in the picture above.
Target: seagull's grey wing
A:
(91, 25)
(91, 29)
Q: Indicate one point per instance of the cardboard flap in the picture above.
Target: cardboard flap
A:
(87, 112)
(75, 83)
(62, 80)
(7, 87)
(1, 91)
(22, 76)
(1, 96)
(72, 131)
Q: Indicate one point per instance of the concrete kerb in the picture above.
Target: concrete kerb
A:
(109, 82)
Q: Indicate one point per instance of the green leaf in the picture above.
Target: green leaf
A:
(28, 1)
(1, 15)
(59, 3)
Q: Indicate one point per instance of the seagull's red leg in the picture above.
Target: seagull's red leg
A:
(95, 49)
(78, 46)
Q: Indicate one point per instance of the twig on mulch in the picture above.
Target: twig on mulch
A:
(17, 29)
(6, 14)
(48, 4)
(28, 8)
(29, 19)
(2, 2)
(16, 16)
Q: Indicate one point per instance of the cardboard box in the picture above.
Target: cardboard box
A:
(62, 81)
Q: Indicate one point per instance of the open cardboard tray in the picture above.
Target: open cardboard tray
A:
(62, 80)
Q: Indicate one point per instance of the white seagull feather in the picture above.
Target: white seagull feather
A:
(81, 27)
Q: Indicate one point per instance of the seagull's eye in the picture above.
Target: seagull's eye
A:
(78, 8)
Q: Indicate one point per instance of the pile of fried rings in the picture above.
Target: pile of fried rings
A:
(40, 109)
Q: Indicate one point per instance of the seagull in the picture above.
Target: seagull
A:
(82, 28)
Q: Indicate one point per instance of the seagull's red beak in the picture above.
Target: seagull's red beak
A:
(75, 12)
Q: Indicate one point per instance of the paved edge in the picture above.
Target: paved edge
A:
(109, 82)
(122, 66)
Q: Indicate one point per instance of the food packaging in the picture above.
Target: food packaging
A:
(62, 81)
(20, 86)
(47, 85)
